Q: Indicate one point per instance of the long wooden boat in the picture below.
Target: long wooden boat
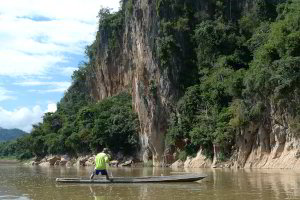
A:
(145, 179)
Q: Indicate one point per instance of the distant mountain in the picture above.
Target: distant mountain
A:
(10, 134)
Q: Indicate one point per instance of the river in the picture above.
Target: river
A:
(26, 182)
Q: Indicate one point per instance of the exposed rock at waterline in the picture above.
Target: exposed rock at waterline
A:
(114, 163)
(52, 160)
(200, 161)
(127, 163)
(44, 164)
(82, 160)
(178, 164)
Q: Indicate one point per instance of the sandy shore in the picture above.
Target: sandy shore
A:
(9, 161)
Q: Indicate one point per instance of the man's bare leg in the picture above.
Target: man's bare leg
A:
(92, 175)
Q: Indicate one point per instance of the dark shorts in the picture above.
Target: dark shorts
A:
(103, 172)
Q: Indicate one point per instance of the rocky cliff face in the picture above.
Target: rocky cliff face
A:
(272, 144)
(133, 67)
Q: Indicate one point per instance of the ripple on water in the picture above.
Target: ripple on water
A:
(13, 197)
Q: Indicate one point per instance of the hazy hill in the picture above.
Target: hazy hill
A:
(10, 134)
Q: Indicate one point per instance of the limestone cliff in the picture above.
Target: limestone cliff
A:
(272, 144)
(133, 67)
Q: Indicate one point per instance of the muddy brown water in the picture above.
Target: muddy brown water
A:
(24, 182)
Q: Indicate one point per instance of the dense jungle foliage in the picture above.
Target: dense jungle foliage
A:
(246, 59)
(235, 62)
(79, 127)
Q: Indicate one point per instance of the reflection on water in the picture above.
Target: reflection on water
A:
(22, 183)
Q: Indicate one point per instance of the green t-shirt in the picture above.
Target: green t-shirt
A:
(101, 160)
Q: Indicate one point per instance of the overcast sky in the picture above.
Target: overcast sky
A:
(41, 43)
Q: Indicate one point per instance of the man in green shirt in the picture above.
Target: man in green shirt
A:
(100, 160)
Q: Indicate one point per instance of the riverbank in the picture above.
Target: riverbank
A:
(9, 161)
(289, 159)
(87, 160)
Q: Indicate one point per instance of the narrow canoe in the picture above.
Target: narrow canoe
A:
(147, 179)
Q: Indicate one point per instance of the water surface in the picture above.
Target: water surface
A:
(23, 183)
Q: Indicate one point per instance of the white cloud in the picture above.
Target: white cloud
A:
(14, 63)
(23, 118)
(66, 9)
(51, 86)
(32, 47)
(51, 107)
(5, 95)
(41, 83)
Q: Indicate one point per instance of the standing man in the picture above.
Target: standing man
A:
(100, 160)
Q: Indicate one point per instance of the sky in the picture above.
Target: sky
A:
(41, 43)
